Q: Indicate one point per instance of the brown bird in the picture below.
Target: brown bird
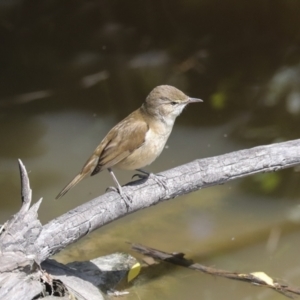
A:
(137, 140)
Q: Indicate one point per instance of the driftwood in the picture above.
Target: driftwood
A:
(25, 243)
(23, 276)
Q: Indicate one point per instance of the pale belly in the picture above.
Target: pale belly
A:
(147, 153)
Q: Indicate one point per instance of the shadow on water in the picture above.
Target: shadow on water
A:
(70, 70)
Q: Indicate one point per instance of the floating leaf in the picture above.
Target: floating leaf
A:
(133, 272)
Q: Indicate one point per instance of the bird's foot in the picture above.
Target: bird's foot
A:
(159, 179)
(140, 176)
(126, 198)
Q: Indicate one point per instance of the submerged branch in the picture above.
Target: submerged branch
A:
(256, 278)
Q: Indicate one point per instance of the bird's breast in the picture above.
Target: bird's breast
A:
(155, 140)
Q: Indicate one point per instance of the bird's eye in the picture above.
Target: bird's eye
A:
(173, 103)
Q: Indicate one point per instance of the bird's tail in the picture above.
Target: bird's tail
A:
(73, 182)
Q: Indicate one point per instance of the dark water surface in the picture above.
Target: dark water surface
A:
(69, 71)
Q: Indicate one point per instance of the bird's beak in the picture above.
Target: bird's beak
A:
(194, 100)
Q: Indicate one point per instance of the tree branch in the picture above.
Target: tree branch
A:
(201, 173)
(25, 243)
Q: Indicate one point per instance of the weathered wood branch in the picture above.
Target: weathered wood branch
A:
(25, 243)
(18, 235)
(184, 179)
(22, 277)
(17, 253)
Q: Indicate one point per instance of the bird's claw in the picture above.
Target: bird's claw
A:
(155, 177)
(111, 189)
(140, 176)
(127, 199)
(159, 181)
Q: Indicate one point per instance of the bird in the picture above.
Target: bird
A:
(137, 140)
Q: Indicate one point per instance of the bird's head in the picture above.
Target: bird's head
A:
(167, 102)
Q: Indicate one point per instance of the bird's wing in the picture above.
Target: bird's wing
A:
(119, 143)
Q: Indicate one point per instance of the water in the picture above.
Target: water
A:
(71, 71)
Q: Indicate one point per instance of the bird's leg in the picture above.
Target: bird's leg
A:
(118, 189)
(156, 178)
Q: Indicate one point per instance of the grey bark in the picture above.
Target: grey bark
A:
(184, 179)
(25, 243)
(22, 276)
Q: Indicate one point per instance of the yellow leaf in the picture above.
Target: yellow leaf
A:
(133, 272)
(263, 277)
